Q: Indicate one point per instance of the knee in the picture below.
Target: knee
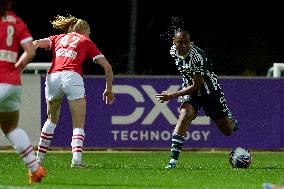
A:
(225, 127)
(228, 132)
(53, 118)
(7, 130)
(186, 116)
(9, 122)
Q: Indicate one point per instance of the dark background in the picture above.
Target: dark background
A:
(240, 38)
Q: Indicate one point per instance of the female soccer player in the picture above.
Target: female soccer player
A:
(15, 34)
(200, 88)
(70, 50)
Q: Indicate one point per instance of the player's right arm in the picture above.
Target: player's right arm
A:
(27, 56)
(26, 39)
(167, 95)
(108, 94)
(95, 54)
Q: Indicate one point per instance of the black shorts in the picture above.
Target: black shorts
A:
(214, 104)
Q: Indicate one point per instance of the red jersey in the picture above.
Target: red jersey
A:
(13, 33)
(70, 51)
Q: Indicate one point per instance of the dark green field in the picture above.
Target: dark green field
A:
(196, 170)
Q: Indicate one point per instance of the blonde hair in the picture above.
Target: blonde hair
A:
(70, 24)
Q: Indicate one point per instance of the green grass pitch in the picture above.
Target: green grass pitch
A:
(119, 170)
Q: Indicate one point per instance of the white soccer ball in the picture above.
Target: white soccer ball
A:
(240, 158)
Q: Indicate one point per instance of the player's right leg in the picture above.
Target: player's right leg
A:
(187, 114)
(216, 108)
(22, 145)
(78, 112)
(36, 176)
(75, 91)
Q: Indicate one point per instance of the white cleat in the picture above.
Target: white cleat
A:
(76, 164)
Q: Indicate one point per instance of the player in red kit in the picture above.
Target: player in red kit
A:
(64, 78)
(14, 35)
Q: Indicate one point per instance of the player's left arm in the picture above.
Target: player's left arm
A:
(42, 43)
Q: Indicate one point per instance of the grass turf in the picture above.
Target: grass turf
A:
(196, 170)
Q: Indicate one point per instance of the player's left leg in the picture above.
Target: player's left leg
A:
(47, 131)
(53, 95)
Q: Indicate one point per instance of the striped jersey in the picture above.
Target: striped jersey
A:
(196, 63)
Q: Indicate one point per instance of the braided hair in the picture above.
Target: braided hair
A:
(5, 5)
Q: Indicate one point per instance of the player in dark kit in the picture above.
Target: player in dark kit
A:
(200, 88)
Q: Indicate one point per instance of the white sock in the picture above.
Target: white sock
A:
(23, 147)
(173, 161)
(45, 140)
(77, 144)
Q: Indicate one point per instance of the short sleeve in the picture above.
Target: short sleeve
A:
(24, 34)
(198, 65)
(173, 51)
(93, 52)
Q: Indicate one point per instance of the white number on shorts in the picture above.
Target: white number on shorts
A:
(10, 33)
(73, 43)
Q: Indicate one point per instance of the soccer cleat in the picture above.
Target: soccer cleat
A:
(171, 165)
(37, 176)
(76, 164)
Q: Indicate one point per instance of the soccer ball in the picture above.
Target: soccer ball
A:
(240, 158)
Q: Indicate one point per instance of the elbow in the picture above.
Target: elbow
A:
(198, 87)
(29, 55)
(35, 44)
(195, 88)
(108, 68)
(32, 53)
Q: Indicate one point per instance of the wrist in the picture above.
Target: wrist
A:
(174, 95)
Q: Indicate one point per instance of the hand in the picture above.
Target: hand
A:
(108, 96)
(164, 96)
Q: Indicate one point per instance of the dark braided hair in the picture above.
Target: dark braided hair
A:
(5, 5)
(176, 25)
